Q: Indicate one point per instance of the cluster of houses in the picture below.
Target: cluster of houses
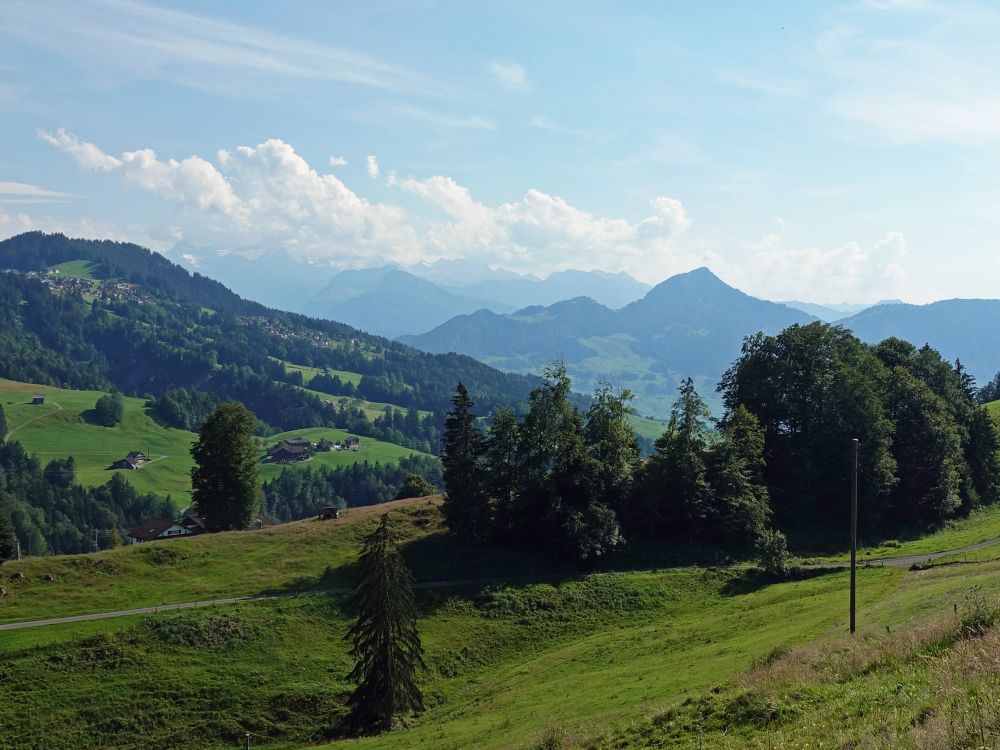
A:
(154, 529)
(293, 450)
(134, 460)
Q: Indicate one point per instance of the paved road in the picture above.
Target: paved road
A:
(892, 562)
(907, 560)
(236, 600)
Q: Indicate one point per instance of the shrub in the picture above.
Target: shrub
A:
(772, 552)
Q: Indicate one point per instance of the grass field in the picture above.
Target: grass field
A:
(371, 409)
(647, 427)
(994, 409)
(308, 373)
(60, 427)
(370, 450)
(85, 269)
(601, 660)
(978, 527)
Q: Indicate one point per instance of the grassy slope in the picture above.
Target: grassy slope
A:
(288, 557)
(370, 450)
(994, 409)
(85, 269)
(507, 666)
(308, 373)
(67, 432)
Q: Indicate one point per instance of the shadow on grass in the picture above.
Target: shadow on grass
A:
(755, 579)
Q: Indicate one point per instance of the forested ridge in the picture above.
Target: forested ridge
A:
(169, 330)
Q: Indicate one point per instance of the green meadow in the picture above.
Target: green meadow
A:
(654, 658)
(63, 426)
(369, 450)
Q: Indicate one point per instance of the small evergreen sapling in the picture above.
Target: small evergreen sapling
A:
(384, 640)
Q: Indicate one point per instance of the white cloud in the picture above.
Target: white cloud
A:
(847, 273)
(20, 192)
(269, 196)
(443, 119)
(337, 161)
(12, 222)
(509, 74)
(138, 40)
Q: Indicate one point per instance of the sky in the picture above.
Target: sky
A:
(827, 152)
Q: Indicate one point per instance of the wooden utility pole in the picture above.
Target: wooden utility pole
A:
(854, 527)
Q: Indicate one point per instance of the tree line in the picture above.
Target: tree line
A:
(573, 482)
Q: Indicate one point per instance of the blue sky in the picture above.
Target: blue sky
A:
(821, 151)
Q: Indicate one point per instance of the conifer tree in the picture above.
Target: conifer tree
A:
(742, 507)
(8, 544)
(465, 508)
(3, 425)
(384, 640)
(501, 467)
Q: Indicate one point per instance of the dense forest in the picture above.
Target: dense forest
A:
(159, 328)
(295, 494)
(574, 483)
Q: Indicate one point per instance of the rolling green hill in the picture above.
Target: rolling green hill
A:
(63, 427)
(370, 450)
(687, 657)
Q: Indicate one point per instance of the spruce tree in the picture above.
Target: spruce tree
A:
(8, 543)
(384, 640)
(465, 508)
(3, 426)
(224, 482)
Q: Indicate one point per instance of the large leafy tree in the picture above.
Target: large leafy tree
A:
(814, 388)
(384, 639)
(466, 510)
(611, 445)
(109, 409)
(224, 481)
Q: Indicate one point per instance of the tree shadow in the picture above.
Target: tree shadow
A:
(755, 579)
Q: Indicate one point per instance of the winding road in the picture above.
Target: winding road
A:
(35, 419)
(904, 561)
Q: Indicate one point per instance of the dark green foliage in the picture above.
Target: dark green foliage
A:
(49, 513)
(8, 544)
(927, 451)
(741, 508)
(414, 486)
(224, 482)
(184, 409)
(3, 425)
(384, 639)
(675, 498)
(109, 409)
(295, 494)
(465, 509)
(990, 391)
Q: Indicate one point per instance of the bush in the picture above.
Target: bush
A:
(415, 486)
(979, 614)
(772, 552)
(110, 409)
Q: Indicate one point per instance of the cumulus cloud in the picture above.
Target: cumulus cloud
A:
(848, 273)
(269, 196)
(337, 161)
(509, 74)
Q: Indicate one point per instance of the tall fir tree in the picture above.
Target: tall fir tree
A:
(501, 467)
(8, 543)
(224, 481)
(3, 426)
(675, 496)
(384, 640)
(466, 509)
(742, 508)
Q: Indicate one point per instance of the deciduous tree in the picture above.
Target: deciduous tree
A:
(224, 481)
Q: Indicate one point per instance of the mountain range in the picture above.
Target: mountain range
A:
(692, 324)
(390, 300)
